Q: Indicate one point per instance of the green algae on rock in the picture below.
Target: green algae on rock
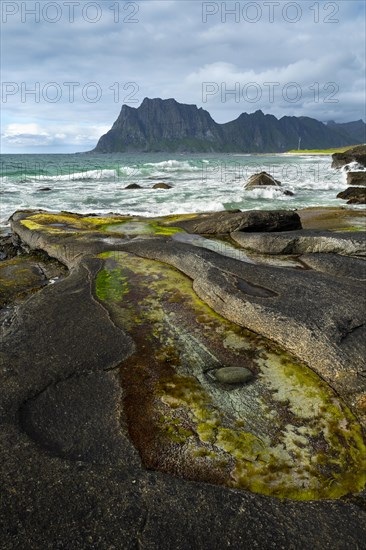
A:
(285, 434)
(66, 222)
(142, 227)
(111, 285)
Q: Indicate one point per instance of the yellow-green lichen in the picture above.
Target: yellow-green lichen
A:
(59, 223)
(164, 230)
(287, 434)
(35, 226)
(289, 468)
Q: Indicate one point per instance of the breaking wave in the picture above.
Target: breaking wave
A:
(97, 183)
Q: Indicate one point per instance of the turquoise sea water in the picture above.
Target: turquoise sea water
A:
(96, 183)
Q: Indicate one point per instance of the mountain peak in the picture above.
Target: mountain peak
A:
(167, 125)
(157, 100)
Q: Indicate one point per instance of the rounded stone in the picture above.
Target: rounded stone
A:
(133, 186)
(233, 375)
(162, 185)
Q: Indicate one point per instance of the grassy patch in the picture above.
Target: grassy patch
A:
(320, 151)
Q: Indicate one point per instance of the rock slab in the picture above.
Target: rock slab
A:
(355, 154)
(353, 195)
(223, 223)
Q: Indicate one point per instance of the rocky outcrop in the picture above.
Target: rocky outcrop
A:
(22, 275)
(222, 223)
(261, 179)
(133, 186)
(355, 154)
(347, 243)
(353, 195)
(130, 384)
(9, 246)
(162, 185)
(258, 181)
(336, 265)
(166, 125)
(356, 178)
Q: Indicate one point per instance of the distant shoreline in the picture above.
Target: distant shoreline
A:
(318, 151)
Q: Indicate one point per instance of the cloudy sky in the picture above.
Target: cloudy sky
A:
(68, 66)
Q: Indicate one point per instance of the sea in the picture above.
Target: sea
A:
(96, 183)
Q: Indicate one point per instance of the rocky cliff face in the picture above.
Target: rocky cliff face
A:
(166, 125)
(162, 125)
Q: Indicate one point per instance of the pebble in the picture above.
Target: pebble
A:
(233, 375)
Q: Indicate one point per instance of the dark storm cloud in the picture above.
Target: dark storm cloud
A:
(189, 50)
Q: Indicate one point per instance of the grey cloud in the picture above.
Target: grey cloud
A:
(171, 52)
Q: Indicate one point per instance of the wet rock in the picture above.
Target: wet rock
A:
(336, 265)
(303, 315)
(9, 247)
(59, 358)
(25, 274)
(45, 189)
(356, 178)
(133, 186)
(261, 179)
(162, 185)
(232, 375)
(306, 241)
(221, 223)
(355, 154)
(85, 430)
(353, 195)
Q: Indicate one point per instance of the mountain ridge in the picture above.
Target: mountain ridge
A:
(165, 125)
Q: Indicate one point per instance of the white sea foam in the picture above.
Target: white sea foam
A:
(267, 193)
(173, 166)
(97, 184)
(71, 176)
(353, 167)
(130, 171)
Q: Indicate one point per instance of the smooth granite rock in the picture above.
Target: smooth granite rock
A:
(232, 375)
(70, 474)
(162, 185)
(306, 241)
(336, 265)
(222, 223)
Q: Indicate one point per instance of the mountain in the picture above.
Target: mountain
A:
(166, 125)
(355, 129)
